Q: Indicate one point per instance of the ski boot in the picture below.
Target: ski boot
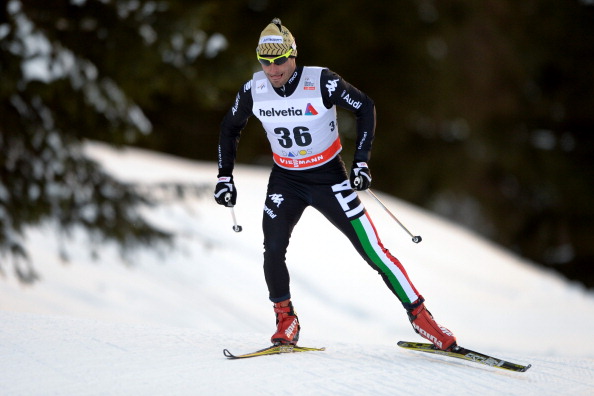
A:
(287, 324)
(424, 324)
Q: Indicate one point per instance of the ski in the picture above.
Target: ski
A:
(271, 350)
(465, 354)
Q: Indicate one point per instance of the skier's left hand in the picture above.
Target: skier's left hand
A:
(360, 176)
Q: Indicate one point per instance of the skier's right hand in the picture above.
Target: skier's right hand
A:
(225, 192)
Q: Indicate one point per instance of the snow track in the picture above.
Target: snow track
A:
(51, 355)
(158, 325)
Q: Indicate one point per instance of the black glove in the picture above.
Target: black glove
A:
(225, 192)
(360, 176)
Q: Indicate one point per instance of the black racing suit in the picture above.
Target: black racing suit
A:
(326, 188)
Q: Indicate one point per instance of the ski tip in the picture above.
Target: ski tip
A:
(298, 348)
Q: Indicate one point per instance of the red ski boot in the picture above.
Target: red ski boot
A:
(424, 324)
(287, 324)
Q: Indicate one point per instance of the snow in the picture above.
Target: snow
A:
(157, 324)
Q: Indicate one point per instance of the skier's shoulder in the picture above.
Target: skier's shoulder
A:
(247, 86)
(329, 75)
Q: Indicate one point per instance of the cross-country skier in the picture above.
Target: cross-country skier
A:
(297, 108)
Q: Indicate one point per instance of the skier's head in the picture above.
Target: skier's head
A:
(276, 40)
(276, 51)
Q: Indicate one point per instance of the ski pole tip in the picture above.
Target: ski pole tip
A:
(417, 239)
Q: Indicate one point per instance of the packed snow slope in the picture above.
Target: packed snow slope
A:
(156, 323)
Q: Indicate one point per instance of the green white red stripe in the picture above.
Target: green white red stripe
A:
(383, 260)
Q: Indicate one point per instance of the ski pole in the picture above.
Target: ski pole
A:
(415, 239)
(236, 227)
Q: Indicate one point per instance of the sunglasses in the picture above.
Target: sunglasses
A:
(279, 60)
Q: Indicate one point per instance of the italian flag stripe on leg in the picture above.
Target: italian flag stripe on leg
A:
(381, 257)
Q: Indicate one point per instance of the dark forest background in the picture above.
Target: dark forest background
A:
(485, 108)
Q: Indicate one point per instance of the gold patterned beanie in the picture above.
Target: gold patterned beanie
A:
(276, 40)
